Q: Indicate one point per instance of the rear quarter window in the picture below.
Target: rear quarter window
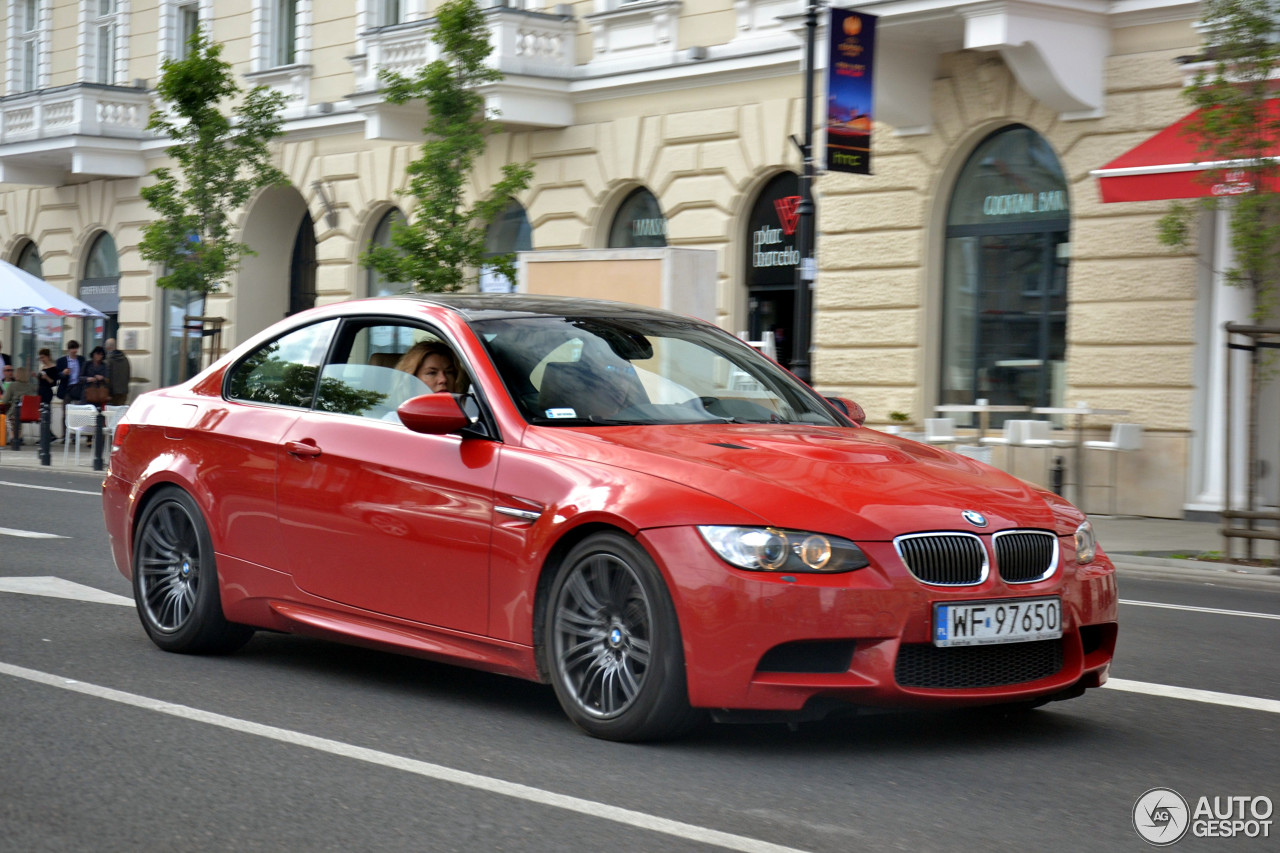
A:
(283, 372)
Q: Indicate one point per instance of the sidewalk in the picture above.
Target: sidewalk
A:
(1161, 548)
(29, 457)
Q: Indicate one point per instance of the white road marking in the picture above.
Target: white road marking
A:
(96, 494)
(1231, 700)
(1202, 609)
(59, 588)
(488, 784)
(29, 534)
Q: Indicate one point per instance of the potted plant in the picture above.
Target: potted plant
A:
(897, 422)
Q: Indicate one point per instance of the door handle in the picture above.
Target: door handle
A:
(301, 448)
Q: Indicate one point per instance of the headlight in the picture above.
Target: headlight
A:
(769, 549)
(1086, 545)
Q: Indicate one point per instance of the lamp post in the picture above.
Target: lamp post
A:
(805, 271)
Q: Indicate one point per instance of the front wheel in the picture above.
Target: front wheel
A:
(175, 579)
(613, 644)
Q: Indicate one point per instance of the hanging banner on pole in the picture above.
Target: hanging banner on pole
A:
(849, 91)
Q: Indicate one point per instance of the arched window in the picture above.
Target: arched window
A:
(1004, 327)
(507, 234)
(29, 260)
(639, 222)
(377, 284)
(100, 288)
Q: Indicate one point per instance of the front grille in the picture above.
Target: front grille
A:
(948, 559)
(1023, 556)
(977, 666)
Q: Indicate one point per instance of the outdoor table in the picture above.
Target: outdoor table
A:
(984, 411)
(1079, 412)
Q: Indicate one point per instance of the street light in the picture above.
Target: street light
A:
(806, 269)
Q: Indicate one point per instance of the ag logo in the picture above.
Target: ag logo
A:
(1161, 816)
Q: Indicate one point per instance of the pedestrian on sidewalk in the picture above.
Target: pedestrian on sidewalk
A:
(11, 400)
(118, 373)
(97, 387)
(46, 379)
(70, 379)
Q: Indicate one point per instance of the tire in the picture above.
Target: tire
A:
(613, 645)
(175, 579)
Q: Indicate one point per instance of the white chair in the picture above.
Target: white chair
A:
(114, 415)
(81, 421)
(940, 431)
(1123, 437)
(1014, 435)
(1041, 434)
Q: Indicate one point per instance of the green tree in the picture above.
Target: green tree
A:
(220, 160)
(1236, 126)
(441, 247)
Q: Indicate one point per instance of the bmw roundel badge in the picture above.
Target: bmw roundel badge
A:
(977, 519)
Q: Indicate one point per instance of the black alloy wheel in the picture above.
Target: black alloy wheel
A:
(613, 644)
(175, 579)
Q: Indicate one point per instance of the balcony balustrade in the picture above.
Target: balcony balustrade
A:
(89, 130)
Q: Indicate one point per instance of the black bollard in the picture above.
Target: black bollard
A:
(46, 433)
(1057, 475)
(99, 432)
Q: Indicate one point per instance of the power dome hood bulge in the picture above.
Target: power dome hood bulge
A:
(857, 483)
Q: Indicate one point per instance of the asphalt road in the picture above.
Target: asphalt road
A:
(107, 743)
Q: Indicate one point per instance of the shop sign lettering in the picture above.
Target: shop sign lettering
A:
(1021, 204)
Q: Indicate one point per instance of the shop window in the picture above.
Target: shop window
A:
(508, 234)
(179, 363)
(376, 283)
(100, 287)
(1004, 324)
(639, 222)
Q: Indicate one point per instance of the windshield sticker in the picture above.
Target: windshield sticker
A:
(561, 413)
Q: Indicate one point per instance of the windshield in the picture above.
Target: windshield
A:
(574, 371)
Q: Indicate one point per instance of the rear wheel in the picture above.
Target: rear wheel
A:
(175, 579)
(613, 644)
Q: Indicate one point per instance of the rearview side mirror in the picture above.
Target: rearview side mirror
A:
(433, 414)
(849, 408)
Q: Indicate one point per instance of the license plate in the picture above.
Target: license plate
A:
(979, 623)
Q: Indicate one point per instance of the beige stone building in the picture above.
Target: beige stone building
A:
(977, 261)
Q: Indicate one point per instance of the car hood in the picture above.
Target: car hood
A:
(846, 481)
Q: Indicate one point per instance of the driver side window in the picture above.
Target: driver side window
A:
(377, 366)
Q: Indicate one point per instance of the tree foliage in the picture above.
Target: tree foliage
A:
(442, 245)
(1237, 126)
(220, 160)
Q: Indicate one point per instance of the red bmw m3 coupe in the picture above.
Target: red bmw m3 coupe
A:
(631, 505)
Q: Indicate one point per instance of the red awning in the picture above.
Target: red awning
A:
(1169, 165)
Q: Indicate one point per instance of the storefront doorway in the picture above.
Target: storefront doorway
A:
(771, 260)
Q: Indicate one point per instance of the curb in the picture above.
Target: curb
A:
(1195, 571)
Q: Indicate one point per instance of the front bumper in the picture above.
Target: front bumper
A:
(762, 641)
